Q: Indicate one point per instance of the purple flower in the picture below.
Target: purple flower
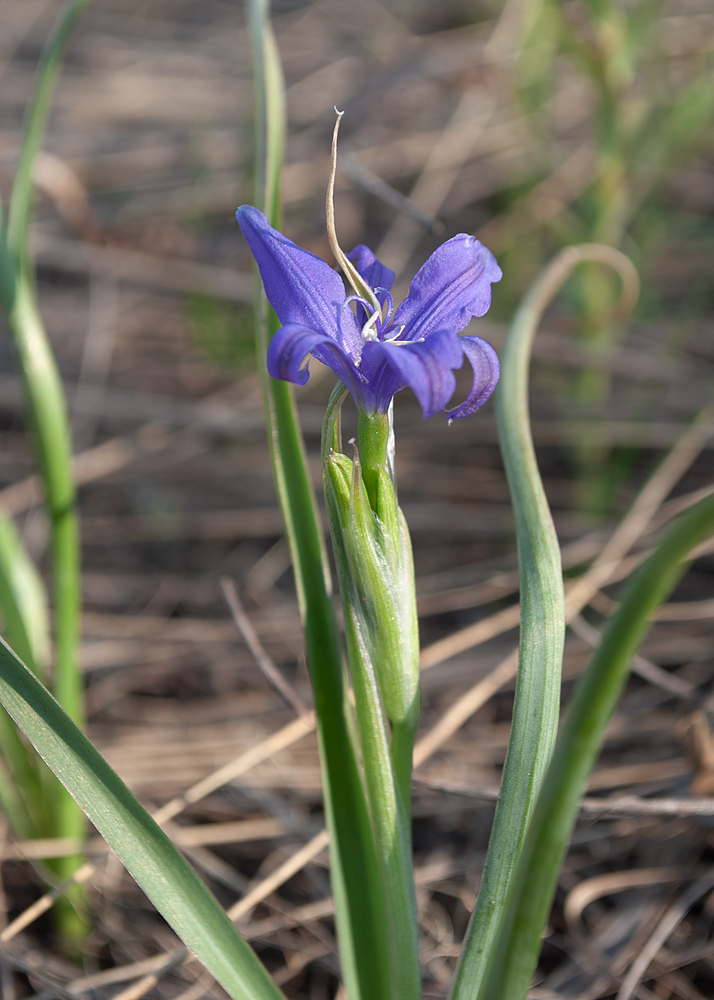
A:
(373, 348)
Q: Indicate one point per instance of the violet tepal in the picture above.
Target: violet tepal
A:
(374, 348)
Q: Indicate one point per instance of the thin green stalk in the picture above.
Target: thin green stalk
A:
(537, 701)
(354, 872)
(592, 705)
(35, 125)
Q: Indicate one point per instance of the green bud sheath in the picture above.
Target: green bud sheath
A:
(379, 583)
(338, 484)
(374, 566)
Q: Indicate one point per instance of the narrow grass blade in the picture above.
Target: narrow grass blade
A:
(23, 600)
(591, 707)
(354, 872)
(23, 603)
(46, 409)
(537, 702)
(35, 125)
(158, 867)
(47, 420)
(46, 415)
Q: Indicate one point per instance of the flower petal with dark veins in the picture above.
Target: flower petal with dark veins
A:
(293, 343)
(377, 354)
(452, 286)
(302, 288)
(426, 367)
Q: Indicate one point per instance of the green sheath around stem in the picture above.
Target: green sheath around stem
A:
(375, 571)
(388, 805)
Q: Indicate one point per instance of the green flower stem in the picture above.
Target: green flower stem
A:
(591, 707)
(390, 820)
(359, 904)
(373, 436)
(373, 440)
(354, 869)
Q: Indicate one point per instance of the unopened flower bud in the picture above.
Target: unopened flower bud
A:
(377, 581)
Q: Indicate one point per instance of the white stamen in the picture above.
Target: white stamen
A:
(369, 330)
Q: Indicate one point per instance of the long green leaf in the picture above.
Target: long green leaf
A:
(23, 602)
(354, 871)
(537, 701)
(47, 420)
(591, 707)
(35, 125)
(45, 406)
(145, 850)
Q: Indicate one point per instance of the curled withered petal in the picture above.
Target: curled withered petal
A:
(486, 370)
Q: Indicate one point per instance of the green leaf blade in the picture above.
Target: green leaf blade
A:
(591, 707)
(145, 850)
(537, 702)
